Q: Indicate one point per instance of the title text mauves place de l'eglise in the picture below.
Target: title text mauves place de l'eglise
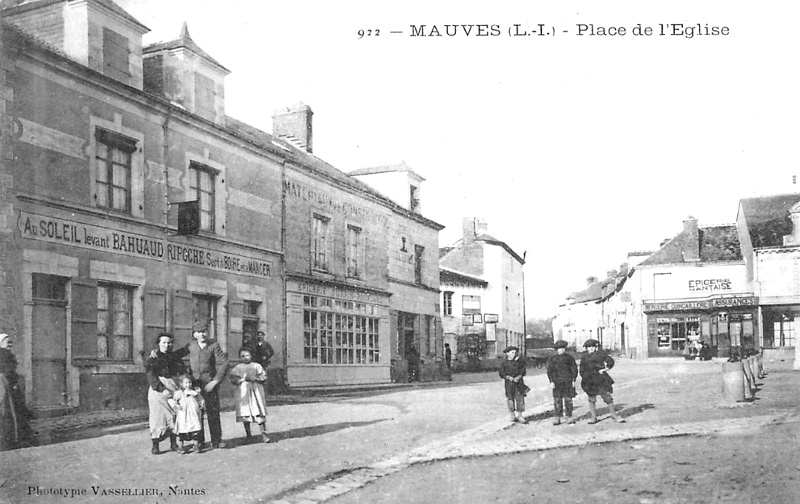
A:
(78, 234)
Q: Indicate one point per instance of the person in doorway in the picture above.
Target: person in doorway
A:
(208, 364)
(512, 372)
(251, 403)
(161, 370)
(448, 355)
(14, 418)
(595, 379)
(562, 371)
(261, 351)
(413, 364)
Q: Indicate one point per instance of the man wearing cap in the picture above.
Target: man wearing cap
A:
(208, 364)
(595, 380)
(562, 370)
(261, 350)
(512, 372)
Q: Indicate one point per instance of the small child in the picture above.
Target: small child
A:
(251, 403)
(189, 420)
(562, 370)
(512, 371)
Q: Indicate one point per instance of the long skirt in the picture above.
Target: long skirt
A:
(9, 421)
(251, 403)
(162, 415)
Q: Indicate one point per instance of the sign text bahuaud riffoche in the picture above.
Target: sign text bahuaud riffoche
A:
(69, 232)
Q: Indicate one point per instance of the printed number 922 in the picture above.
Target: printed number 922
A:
(369, 33)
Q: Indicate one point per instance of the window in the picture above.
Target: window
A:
(116, 56)
(338, 332)
(201, 186)
(470, 305)
(418, 251)
(250, 321)
(447, 298)
(354, 252)
(413, 198)
(204, 97)
(320, 245)
(204, 308)
(114, 322)
(49, 287)
(113, 183)
(782, 332)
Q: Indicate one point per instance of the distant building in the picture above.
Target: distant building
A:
(483, 297)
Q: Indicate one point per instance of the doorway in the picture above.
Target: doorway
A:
(49, 342)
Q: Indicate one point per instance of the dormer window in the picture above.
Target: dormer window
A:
(116, 56)
(413, 204)
(205, 97)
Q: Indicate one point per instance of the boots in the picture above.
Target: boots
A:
(557, 421)
(155, 450)
(520, 418)
(264, 437)
(593, 413)
(173, 443)
(614, 415)
(247, 431)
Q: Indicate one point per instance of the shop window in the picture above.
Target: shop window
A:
(201, 187)
(113, 183)
(114, 322)
(49, 287)
(339, 338)
(320, 245)
(447, 303)
(204, 308)
(783, 331)
(355, 252)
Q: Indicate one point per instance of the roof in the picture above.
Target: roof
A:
(183, 41)
(717, 243)
(494, 241)
(767, 218)
(593, 292)
(448, 276)
(265, 140)
(12, 6)
(401, 167)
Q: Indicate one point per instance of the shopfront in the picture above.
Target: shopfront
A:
(337, 333)
(727, 324)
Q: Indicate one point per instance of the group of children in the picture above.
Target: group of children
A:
(562, 371)
(250, 378)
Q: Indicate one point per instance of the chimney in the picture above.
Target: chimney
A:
(691, 240)
(481, 227)
(293, 124)
(591, 280)
(468, 227)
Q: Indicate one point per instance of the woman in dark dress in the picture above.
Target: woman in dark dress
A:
(162, 368)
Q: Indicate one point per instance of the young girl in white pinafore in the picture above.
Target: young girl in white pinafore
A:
(251, 404)
(189, 419)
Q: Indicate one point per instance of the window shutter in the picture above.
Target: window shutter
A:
(83, 304)
(155, 316)
(182, 317)
(295, 335)
(394, 337)
(235, 316)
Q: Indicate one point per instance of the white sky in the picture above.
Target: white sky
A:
(574, 149)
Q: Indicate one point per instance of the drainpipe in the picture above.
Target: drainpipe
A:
(284, 297)
(166, 272)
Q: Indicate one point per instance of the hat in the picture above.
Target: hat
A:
(591, 342)
(200, 326)
(561, 344)
(260, 333)
(510, 348)
(4, 337)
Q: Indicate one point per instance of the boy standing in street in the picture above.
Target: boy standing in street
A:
(595, 379)
(512, 371)
(562, 370)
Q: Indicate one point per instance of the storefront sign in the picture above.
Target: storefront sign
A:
(705, 304)
(87, 236)
(710, 285)
(336, 292)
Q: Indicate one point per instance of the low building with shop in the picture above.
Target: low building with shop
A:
(769, 227)
(483, 296)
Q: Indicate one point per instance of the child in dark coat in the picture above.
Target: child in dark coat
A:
(512, 371)
(595, 379)
(562, 370)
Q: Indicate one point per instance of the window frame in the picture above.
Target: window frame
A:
(419, 252)
(340, 333)
(196, 169)
(355, 252)
(116, 56)
(113, 142)
(447, 303)
(320, 243)
(111, 288)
